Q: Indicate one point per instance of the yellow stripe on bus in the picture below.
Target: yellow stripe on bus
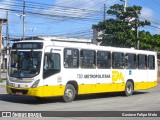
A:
(47, 91)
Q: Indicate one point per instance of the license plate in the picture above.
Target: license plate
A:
(18, 93)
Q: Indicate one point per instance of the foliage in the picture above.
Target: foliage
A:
(122, 30)
(149, 42)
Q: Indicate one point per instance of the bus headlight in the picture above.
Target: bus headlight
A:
(35, 84)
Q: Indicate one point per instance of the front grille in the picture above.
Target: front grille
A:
(16, 90)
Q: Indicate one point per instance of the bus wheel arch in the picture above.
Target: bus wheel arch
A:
(129, 87)
(75, 85)
(70, 91)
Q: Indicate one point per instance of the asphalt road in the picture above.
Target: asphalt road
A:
(148, 100)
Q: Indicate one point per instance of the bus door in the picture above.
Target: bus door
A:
(52, 72)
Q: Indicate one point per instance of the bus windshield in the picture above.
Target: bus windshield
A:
(24, 64)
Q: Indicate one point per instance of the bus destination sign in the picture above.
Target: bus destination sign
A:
(31, 45)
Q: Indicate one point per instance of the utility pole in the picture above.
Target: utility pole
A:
(7, 39)
(104, 17)
(3, 54)
(1, 24)
(136, 27)
(24, 15)
(137, 34)
(137, 21)
(124, 4)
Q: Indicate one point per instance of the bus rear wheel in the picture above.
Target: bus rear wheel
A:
(129, 88)
(69, 93)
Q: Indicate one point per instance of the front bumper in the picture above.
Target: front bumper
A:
(37, 92)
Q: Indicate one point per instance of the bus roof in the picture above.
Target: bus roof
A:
(85, 45)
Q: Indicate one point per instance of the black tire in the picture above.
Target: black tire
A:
(69, 93)
(129, 89)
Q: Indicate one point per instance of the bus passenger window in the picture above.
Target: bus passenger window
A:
(103, 59)
(117, 60)
(151, 62)
(65, 63)
(131, 61)
(142, 61)
(71, 58)
(88, 58)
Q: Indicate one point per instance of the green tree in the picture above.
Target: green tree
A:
(148, 41)
(121, 31)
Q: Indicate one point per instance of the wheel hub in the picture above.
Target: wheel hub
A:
(129, 89)
(69, 93)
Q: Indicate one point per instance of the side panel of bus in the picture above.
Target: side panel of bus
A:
(96, 77)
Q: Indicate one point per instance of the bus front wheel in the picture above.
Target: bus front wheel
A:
(69, 93)
(129, 88)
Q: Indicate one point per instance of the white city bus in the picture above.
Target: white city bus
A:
(47, 68)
